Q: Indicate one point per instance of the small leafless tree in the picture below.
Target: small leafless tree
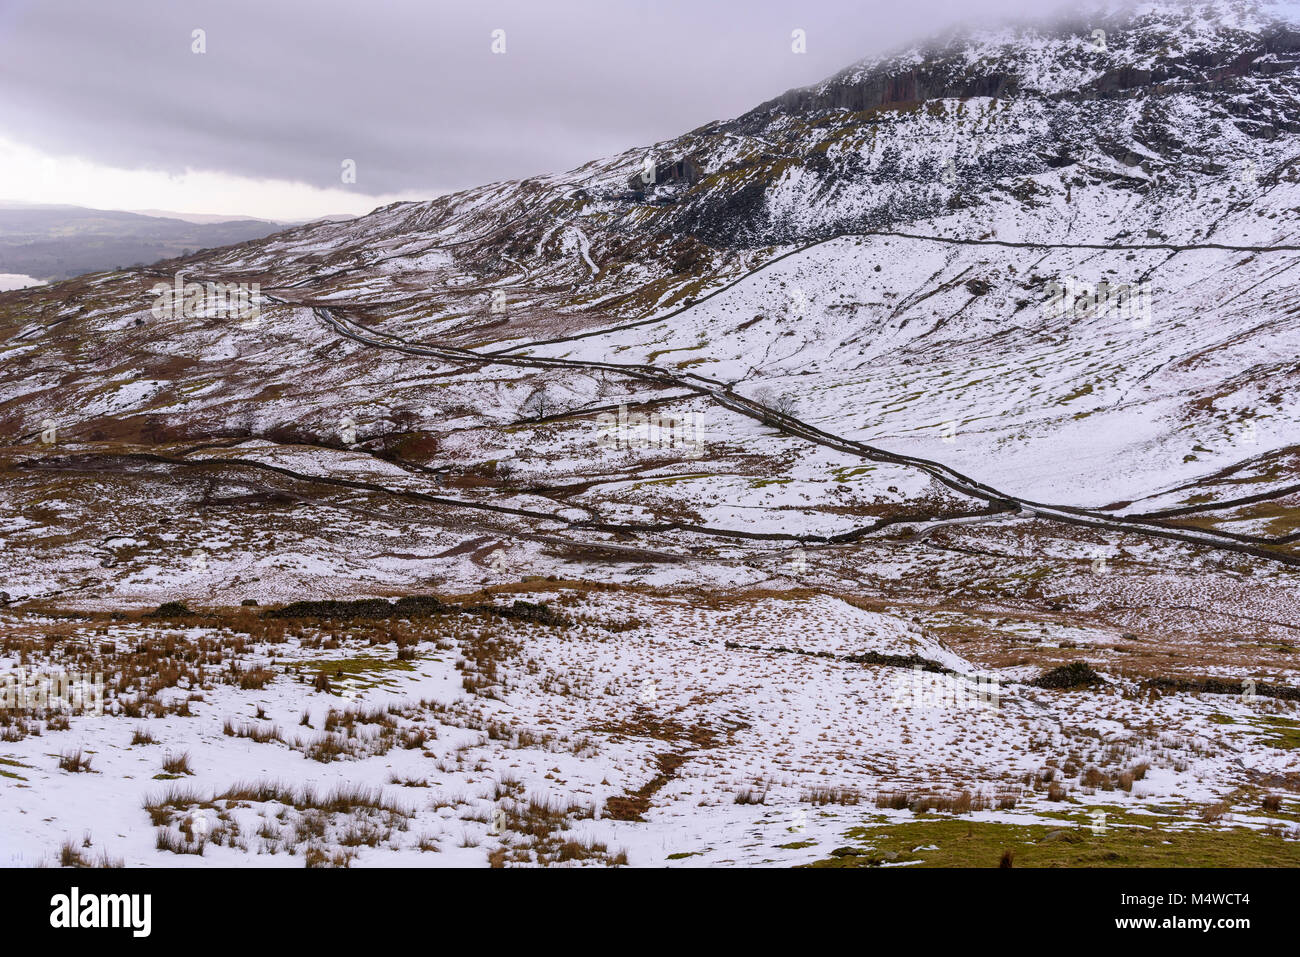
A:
(538, 404)
(779, 402)
(604, 386)
(209, 493)
(405, 420)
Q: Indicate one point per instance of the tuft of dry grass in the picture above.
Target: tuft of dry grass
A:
(752, 795)
(251, 679)
(177, 764)
(166, 840)
(1096, 778)
(829, 795)
(923, 802)
(70, 855)
(74, 761)
(259, 733)
(1214, 812)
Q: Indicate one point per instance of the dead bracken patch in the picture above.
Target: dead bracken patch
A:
(632, 806)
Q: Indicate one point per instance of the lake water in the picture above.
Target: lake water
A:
(12, 280)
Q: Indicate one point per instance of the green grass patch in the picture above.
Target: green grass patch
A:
(361, 666)
(1078, 393)
(957, 843)
(843, 473)
(1116, 816)
(1283, 733)
(13, 764)
(663, 352)
(360, 673)
(674, 479)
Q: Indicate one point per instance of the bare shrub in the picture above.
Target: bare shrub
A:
(829, 795)
(142, 735)
(178, 764)
(74, 761)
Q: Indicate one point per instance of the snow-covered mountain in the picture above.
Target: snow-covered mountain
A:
(937, 224)
(1166, 96)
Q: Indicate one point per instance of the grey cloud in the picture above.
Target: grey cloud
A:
(411, 90)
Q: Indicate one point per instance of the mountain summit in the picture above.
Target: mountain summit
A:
(1153, 101)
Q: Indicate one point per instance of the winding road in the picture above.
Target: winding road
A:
(723, 395)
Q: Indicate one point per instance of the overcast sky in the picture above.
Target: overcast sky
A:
(105, 103)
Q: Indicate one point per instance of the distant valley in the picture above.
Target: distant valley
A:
(59, 242)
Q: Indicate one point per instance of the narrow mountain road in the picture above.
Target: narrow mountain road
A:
(722, 394)
(98, 464)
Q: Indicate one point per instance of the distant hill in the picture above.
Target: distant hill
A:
(205, 218)
(59, 242)
(215, 218)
